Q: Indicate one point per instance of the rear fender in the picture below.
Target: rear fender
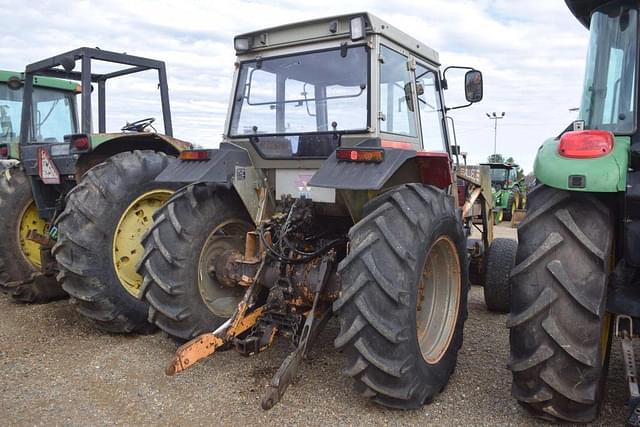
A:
(606, 174)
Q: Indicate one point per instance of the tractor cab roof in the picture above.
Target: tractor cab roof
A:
(582, 9)
(17, 78)
(329, 28)
(500, 165)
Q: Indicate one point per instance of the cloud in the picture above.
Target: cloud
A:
(531, 55)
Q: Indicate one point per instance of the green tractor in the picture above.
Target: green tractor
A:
(509, 192)
(78, 203)
(334, 192)
(576, 281)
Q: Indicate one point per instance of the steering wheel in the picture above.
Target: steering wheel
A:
(138, 125)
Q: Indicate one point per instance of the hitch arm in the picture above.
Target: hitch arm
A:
(206, 344)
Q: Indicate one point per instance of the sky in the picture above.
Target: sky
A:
(531, 54)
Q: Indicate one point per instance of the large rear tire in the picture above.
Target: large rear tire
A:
(559, 328)
(403, 302)
(499, 261)
(199, 222)
(100, 229)
(19, 257)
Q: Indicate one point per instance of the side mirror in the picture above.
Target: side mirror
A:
(473, 86)
(455, 150)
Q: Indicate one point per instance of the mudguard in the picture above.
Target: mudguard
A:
(433, 167)
(606, 174)
(218, 169)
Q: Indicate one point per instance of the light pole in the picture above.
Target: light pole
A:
(495, 117)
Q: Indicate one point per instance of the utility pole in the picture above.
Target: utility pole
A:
(495, 117)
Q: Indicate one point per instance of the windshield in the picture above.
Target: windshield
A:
(54, 114)
(499, 176)
(608, 100)
(321, 91)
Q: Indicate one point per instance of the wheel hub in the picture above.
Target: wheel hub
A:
(438, 300)
(127, 244)
(219, 296)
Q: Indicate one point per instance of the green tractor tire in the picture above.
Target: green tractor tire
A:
(20, 259)
(560, 332)
(100, 231)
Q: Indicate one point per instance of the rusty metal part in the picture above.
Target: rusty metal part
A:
(41, 239)
(206, 344)
(315, 321)
(468, 204)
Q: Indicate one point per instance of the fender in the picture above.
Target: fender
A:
(219, 168)
(427, 167)
(105, 145)
(606, 174)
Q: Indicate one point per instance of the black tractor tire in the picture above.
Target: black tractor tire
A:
(173, 246)
(15, 197)
(499, 260)
(87, 228)
(377, 306)
(510, 201)
(559, 329)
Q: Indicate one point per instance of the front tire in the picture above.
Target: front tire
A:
(114, 202)
(403, 302)
(19, 257)
(559, 328)
(499, 260)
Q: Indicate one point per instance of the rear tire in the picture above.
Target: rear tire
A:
(512, 202)
(87, 229)
(16, 261)
(380, 296)
(559, 328)
(499, 261)
(174, 246)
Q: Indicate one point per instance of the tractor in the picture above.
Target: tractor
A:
(509, 192)
(78, 203)
(333, 192)
(575, 284)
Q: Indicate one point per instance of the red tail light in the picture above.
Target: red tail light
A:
(4, 151)
(81, 143)
(194, 155)
(360, 155)
(586, 144)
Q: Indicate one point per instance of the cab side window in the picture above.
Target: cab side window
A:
(430, 109)
(396, 95)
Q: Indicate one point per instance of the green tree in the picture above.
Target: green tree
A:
(495, 158)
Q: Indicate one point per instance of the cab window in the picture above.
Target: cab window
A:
(430, 109)
(396, 95)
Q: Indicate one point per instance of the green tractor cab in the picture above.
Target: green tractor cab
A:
(80, 199)
(575, 283)
(509, 192)
(46, 91)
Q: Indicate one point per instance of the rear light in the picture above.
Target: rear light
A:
(81, 143)
(4, 151)
(585, 144)
(194, 155)
(360, 155)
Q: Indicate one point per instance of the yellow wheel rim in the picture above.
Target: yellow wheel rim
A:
(30, 220)
(127, 244)
(516, 204)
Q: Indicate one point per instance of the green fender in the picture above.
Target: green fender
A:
(606, 174)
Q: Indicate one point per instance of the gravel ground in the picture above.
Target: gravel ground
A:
(55, 369)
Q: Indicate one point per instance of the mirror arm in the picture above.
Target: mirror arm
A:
(457, 107)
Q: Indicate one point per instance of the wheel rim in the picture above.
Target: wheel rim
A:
(30, 220)
(221, 300)
(499, 216)
(127, 241)
(438, 300)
